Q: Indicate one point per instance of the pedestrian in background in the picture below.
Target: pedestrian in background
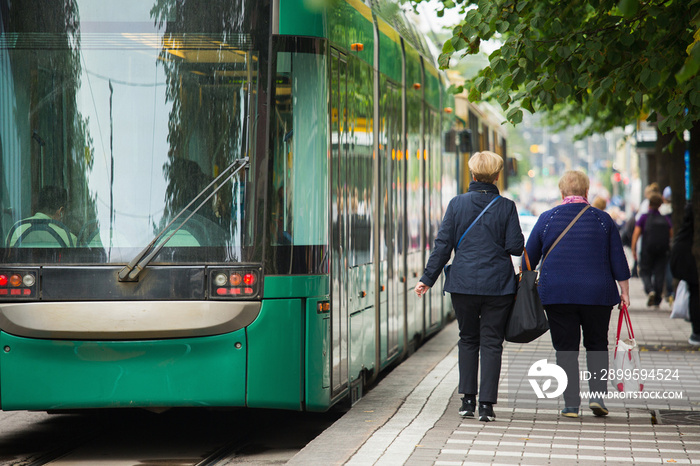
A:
(481, 281)
(577, 285)
(683, 267)
(656, 231)
(599, 203)
(667, 210)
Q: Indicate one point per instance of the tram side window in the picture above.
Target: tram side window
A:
(298, 214)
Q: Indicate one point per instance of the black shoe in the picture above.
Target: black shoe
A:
(468, 407)
(694, 339)
(598, 407)
(486, 412)
(652, 300)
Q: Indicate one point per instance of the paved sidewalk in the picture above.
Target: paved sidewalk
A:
(411, 417)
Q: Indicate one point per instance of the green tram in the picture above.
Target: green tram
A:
(221, 203)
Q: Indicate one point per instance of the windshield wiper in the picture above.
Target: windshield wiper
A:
(131, 272)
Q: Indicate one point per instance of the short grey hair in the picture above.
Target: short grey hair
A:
(574, 183)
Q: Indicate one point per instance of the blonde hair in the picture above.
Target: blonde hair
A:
(485, 166)
(651, 189)
(574, 183)
(599, 203)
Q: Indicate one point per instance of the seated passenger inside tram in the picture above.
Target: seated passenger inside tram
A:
(44, 229)
(186, 181)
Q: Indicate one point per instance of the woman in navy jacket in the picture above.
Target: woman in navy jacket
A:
(481, 280)
(577, 285)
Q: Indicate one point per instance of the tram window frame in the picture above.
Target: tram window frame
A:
(297, 206)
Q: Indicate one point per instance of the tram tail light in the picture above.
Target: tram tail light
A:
(18, 284)
(235, 284)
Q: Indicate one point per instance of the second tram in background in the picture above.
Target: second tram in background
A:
(217, 206)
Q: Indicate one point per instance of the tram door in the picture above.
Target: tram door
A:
(390, 217)
(339, 221)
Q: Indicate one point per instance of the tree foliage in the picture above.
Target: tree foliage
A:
(605, 62)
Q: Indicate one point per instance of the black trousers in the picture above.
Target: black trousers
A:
(482, 325)
(566, 321)
(694, 307)
(652, 270)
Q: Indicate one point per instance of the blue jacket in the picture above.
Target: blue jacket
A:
(482, 264)
(584, 267)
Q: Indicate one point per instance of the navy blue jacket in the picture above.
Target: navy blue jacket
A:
(482, 264)
(586, 265)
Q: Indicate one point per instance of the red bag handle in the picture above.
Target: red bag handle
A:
(624, 315)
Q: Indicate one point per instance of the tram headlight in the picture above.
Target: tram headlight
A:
(220, 279)
(29, 280)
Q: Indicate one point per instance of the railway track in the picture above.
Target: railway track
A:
(178, 437)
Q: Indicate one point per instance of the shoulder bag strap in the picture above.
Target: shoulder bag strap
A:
(476, 220)
(527, 259)
(566, 230)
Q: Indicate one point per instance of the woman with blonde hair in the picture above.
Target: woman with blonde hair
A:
(578, 285)
(483, 230)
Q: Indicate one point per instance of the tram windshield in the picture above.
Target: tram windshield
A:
(113, 117)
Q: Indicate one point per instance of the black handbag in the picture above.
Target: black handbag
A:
(527, 320)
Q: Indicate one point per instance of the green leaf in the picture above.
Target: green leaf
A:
(515, 115)
(484, 6)
(598, 93)
(627, 40)
(507, 82)
(444, 60)
(447, 47)
(583, 81)
(638, 98)
(458, 43)
(484, 30)
(563, 51)
(467, 30)
(673, 108)
(474, 95)
(606, 83)
(502, 97)
(473, 18)
(556, 26)
(691, 66)
(500, 66)
(694, 98)
(654, 79)
(644, 76)
(629, 8)
(519, 77)
(563, 90)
